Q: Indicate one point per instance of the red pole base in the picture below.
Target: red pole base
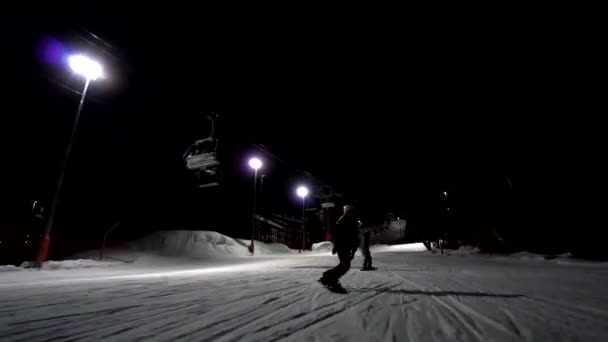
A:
(251, 248)
(44, 250)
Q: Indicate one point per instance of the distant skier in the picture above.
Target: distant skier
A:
(367, 255)
(346, 239)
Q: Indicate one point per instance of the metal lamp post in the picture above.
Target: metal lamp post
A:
(255, 164)
(91, 71)
(302, 191)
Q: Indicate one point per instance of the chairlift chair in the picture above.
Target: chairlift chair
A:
(201, 158)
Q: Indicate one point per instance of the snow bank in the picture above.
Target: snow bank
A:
(76, 264)
(322, 247)
(61, 265)
(10, 268)
(192, 244)
(69, 264)
(200, 244)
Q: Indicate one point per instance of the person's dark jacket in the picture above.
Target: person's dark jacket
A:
(346, 233)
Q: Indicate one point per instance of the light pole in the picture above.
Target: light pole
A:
(302, 191)
(91, 71)
(255, 164)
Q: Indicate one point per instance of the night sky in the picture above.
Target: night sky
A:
(496, 105)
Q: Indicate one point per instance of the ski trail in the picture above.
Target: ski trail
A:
(457, 309)
(469, 327)
(286, 303)
(518, 331)
(323, 313)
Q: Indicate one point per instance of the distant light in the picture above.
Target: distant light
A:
(86, 67)
(445, 193)
(255, 163)
(302, 191)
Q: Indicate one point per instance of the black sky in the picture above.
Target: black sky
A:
(391, 105)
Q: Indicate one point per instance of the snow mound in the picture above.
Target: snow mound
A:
(74, 264)
(184, 243)
(200, 244)
(10, 268)
(322, 247)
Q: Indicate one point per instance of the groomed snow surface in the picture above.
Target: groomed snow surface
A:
(165, 288)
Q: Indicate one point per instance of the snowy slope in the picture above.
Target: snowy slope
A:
(412, 297)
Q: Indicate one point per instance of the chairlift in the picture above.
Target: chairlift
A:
(201, 159)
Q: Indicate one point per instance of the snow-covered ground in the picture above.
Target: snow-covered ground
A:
(413, 296)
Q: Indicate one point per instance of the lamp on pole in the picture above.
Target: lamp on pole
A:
(302, 192)
(91, 71)
(255, 164)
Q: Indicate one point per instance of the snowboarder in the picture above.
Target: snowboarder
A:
(367, 255)
(346, 240)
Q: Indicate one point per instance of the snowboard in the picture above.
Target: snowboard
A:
(369, 269)
(334, 288)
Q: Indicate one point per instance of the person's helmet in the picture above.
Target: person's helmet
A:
(349, 209)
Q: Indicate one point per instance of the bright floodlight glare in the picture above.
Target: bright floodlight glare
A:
(255, 163)
(302, 191)
(86, 67)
